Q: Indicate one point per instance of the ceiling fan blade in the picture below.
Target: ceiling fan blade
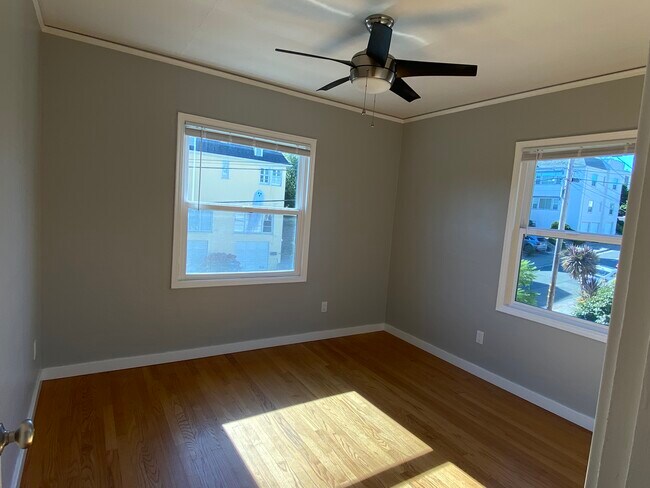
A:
(334, 84)
(342, 61)
(379, 42)
(404, 68)
(401, 88)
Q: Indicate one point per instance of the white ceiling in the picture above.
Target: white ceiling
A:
(519, 45)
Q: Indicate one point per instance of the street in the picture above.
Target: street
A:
(567, 289)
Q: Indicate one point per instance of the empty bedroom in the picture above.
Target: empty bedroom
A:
(324, 243)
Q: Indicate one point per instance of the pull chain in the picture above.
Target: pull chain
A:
(365, 92)
(374, 102)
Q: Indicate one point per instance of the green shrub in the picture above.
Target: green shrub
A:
(598, 307)
(527, 273)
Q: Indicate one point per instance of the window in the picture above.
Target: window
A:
(594, 180)
(276, 177)
(546, 203)
(562, 271)
(253, 223)
(252, 213)
(615, 184)
(271, 177)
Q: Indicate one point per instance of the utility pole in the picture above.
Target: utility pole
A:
(566, 190)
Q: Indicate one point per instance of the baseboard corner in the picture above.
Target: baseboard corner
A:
(553, 406)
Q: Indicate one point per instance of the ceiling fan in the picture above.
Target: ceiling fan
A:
(375, 71)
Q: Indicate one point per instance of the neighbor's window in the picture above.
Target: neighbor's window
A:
(242, 205)
(560, 258)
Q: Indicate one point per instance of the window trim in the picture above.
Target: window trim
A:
(520, 194)
(302, 211)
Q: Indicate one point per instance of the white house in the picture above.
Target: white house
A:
(236, 175)
(594, 193)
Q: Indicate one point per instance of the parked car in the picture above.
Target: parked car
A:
(534, 244)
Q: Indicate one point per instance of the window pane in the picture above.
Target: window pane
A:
(597, 193)
(241, 242)
(232, 174)
(584, 285)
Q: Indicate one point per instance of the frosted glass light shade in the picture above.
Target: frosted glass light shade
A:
(375, 85)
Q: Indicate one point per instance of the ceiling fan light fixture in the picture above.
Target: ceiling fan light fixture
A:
(374, 70)
(374, 85)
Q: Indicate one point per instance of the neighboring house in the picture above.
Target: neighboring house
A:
(238, 176)
(594, 196)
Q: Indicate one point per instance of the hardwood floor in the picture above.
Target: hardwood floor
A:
(367, 410)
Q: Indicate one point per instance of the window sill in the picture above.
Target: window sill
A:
(253, 280)
(568, 324)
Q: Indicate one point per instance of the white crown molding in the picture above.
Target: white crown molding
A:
(205, 69)
(619, 75)
(306, 96)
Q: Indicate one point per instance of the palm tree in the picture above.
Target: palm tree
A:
(581, 263)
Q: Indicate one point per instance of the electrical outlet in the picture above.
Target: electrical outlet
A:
(34, 350)
(479, 336)
(323, 307)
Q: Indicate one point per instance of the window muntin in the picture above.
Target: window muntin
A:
(253, 225)
(543, 246)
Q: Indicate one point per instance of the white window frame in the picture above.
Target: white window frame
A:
(302, 211)
(523, 180)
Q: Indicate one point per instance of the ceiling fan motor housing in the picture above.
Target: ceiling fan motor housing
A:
(365, 68)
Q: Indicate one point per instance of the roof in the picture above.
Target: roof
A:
(243, 152)
(596, 163)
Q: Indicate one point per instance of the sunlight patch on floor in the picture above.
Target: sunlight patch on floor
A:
(445, 475)
(339, 440)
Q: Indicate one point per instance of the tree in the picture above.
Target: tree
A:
(527, 274)
(622, 209)
(290, 181)
(581, 263)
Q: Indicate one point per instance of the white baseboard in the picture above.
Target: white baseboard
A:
(557, 408)
(200, 352)
(20, 460)
(167, 357)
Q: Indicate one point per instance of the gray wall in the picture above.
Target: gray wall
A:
(19, 135)
(454, 184)
(621, 441)
(109, 139)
